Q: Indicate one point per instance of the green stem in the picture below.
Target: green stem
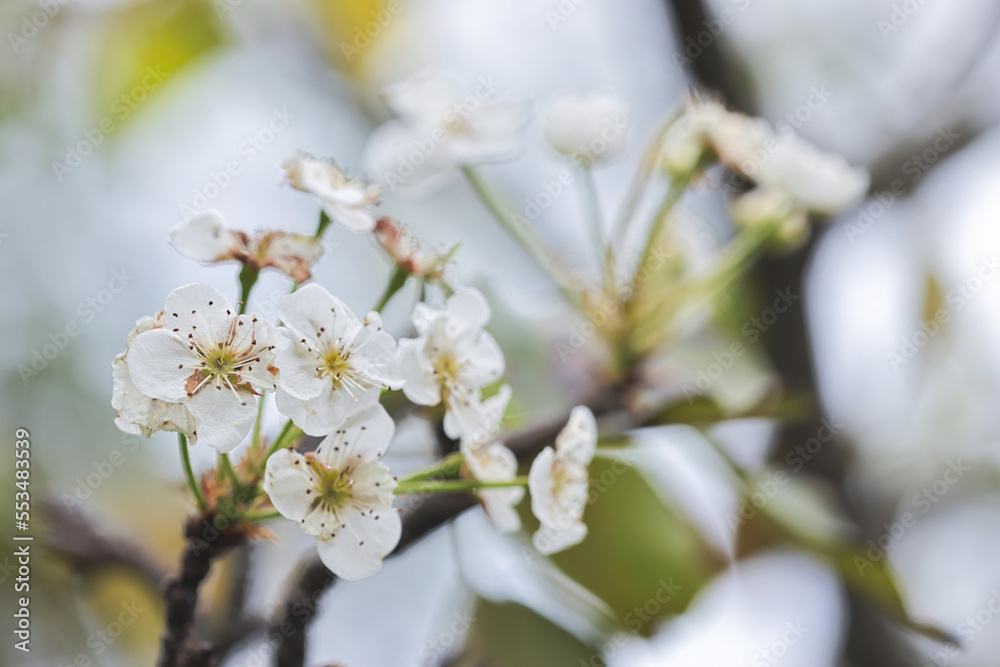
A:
(516, 226)
(446, 467)
(677, 189)
(248, 278)
(255, 438)
(455, 485)
(189, 472)
(644, 172)
(734, 261)
(324, 222)
(285, 435)
(262, 515)
(226, 466)
(592, 206)
(396, 282)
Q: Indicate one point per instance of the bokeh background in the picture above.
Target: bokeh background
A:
(117, 117)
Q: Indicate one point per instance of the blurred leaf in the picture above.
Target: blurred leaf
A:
(147, 43)
(876, 580)
(639, 557)
(511, 635)
(352, 26)
(787, 407)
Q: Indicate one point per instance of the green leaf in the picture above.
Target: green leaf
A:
(511, 635)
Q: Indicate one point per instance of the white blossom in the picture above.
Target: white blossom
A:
(206, 238)
(334, 362)
(441, 124)
(345, 200)
(477, 424)
(559, 483)
(453, 356)
(816, 181)
(342, 494)
(587, 129)
(209, 358)
(138, 413)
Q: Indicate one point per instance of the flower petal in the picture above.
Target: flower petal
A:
(466, 311)
(550, 539)
(317, 316)
(357, 220)
(577, 440)
(199, 310)
(161, 364)
(481, 358)
(541, 484)
(322, 414)
(223, 417)
(362, 437)
(206, 238)
(299, 377)
(286, 480)
(361, 544)
(419, 382)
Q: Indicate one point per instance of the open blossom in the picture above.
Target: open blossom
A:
(138, 413)
(453, 356)
(345, 200)
(404, 250)
(334, 362)
(477, 424)
(210, 359)
(342, 494)
(587, 129)
(206, 238)
(816, 181)
(441, 124)
(559, 484)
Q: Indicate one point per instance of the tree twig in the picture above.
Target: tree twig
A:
(180, 646)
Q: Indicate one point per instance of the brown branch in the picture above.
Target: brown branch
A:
(179, 646)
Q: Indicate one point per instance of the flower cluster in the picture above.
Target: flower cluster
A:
(201, 366)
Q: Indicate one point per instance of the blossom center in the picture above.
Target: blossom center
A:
(336, 365)
(334, 487)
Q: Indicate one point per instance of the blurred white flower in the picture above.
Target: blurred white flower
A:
(586, 129)
(559, 483)
(440, 124)
(342, 494)
(816, 181)
(209, 358)
(139, 414)
(206, 238)
(452, 356)
(772, 205)
(345, 200)
(334, 362)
